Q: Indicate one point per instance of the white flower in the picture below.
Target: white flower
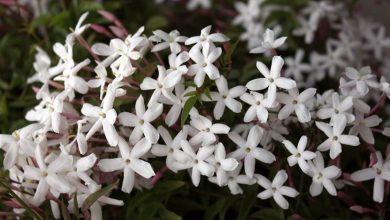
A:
(170, 40)
(307, 29)
(247, 12)
(234, 178)
(104, 116)
(141, 121)
(20, 142)
(380, 172)
(73, 82)
(299, 155)
(385, 86)
(339, 107)
(276, 189)
(225, 97)
(258, 107)
(204, 63)
(50, 176)
(197, 161)
(163, 86)
(174, 113)
(362, 79)
(272, 79)
(222, 164)
(269, 42)
(79, 29)
(206, 131)
(377, 42)
(100, 80)
(96, 207)
(331, 60)
(322, 177)
(129, 162)
(295, 66)
(171, 149)
(81, 169)
(206, 38)
(336, 136)
(177, 63)
(296, 102)
(249, 150)
(192, 4)
(362, 126)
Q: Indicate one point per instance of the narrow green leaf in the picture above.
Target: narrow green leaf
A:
(156, 22)
(207, 93)
(192, 93)
(64, 211)
(169, 215)
(76, 207)
(212, 211)
(91, 199)
(269, 213)
(247, 204)
(187, 108)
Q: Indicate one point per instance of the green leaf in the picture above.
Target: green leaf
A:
(156, 22)
(187, 108)
(64, 211)
(3, 106)
(269, 213)
(90, 6)
(91, 199)
(207, 93)
(168, 185)
(192, 93)
(76, 207)
(247, 204)
(169, 215)
(215, 209)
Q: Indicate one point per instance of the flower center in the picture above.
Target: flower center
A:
(127, 161)
(45, 174)
(248, 149)
(336, 111)
(298, 155)
(258, 103)
(335, 138)
(295, 102)
(271, 80)
(141, 122)
(102, 115)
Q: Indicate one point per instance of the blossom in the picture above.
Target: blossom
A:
(197, 161)
(206, 131)
(20, 142)
(276, 189)
(203, 65)
(234, 179)
(171, 149)
(258, 107)
(225, 97)
(249, 150)
(299, 155)
(380, 172)
(377, 41)
(222, 164)
(206, 38)
(362, 126)
(171, 40)
(96, 207)
(141, 121)
(272, 79)
(269, 42)
(50, 176)
(362, 79)
(192, 4)
(295, 66)
(322, 177)
(335, 136)
(104, 116)
(129, 162)
(162, 86)
(296, 102)
(101, 79)
(338, 107)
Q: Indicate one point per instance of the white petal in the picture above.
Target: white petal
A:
(142, 168)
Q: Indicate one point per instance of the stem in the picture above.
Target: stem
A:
(159, 175)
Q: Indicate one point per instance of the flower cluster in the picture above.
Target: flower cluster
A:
(110, 118)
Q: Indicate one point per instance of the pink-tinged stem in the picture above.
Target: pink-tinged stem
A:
(378, 104)
(86, 45)
(101, 30)
(345, 198)
(361, 210)
(8, 214)
(56, 85)
(70, 116)
(159, 175)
